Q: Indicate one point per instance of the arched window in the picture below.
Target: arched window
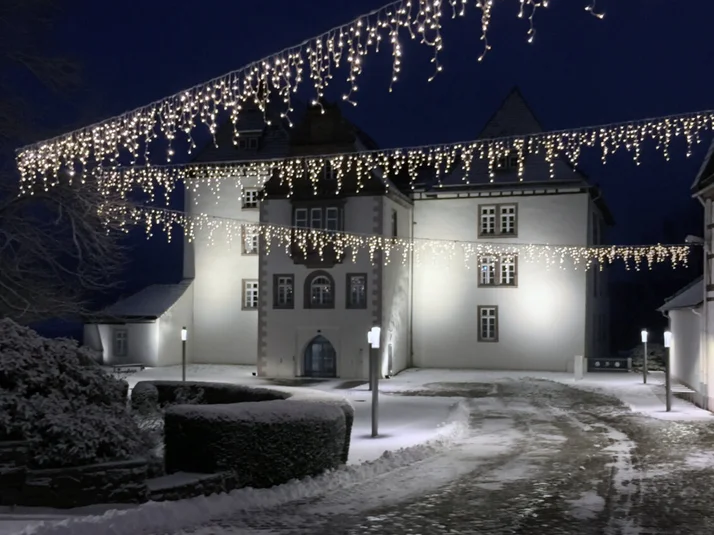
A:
(319, 290)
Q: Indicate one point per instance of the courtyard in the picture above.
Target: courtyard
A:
(469, 452)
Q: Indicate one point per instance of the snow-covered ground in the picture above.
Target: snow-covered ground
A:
(647, 399)
(433, 455)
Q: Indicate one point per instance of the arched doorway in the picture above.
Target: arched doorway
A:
(320, 359)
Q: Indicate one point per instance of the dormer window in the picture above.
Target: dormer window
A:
(248, 142)
(328, 172)
(250, 198)
(508, 162)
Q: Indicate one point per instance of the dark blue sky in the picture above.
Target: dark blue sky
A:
(646, 58)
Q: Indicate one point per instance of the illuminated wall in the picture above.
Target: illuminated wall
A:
(685, 326)
(222, 332)
(285, 334)
(542, 322)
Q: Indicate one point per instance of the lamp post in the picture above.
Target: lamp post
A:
(644, 360)
(184, 337)
(373, 338)
(667, 370)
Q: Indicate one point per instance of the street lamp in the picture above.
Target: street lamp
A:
(184, 337)
(644, 360)
(667, 370)
(373, 338)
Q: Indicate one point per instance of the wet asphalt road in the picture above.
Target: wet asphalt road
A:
(569, 462)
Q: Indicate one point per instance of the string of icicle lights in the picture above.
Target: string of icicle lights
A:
(230, 231)
(441, 160)
(316, 58)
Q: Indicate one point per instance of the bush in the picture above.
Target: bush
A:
(212, 434)
(265, 444)
(160, 394)
(56, 397)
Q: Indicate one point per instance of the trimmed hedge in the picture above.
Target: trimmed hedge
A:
(266, 435)
(265, 443)
(152, 395)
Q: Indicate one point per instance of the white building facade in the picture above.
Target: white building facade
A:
(297, 314)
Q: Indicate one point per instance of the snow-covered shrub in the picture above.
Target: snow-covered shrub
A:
(56, 397)
(655, 356)
(144, 398)
(197, 392)
(265, 443)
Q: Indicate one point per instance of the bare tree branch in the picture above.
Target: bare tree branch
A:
(58, 250)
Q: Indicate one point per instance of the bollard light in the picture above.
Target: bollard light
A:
(644, 336)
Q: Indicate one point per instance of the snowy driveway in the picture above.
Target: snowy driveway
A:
(540, 458)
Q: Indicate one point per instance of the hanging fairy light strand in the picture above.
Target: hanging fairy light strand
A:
(441, 160)
(316, 58)
(298, 240)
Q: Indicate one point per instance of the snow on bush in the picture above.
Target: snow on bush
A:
(265, 443)
(169, 517)
(56, 397)
(655, 356)
(151, 396)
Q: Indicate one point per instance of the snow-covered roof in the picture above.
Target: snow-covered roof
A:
(151, 302)
(690, 296)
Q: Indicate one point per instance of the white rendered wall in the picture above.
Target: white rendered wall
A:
(685, 326)
(396, 291)
(541, 322)
(170, 324)
(285, 334)
(142, 343)
(222, 332)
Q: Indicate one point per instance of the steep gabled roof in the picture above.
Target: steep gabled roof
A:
(705, 176)
(514, 117)
(150, 303)
(692, 295)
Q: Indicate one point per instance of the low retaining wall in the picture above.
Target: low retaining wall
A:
(118, 482)
(181, 485)
(13, 457)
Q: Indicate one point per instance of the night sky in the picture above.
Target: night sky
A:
(646, 58)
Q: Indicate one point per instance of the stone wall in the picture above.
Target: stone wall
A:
(180, 485)
(13, 457)
(118, 482)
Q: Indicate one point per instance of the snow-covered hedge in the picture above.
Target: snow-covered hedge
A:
(56, 397)
(229, 426)
(265, 443)
(152, 395)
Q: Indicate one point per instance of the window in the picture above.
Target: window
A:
(328, 172)
(488, 220)
(487, 269)
(248, 142)
(319, 290)
(495, 271)
(488, 324)
(508, 271)
(332, 218)
(283, 291)
(508, 219)
(250, 241)
(121, 339)
(250, 295)
(250, 198)
(356, 290)
(506, 163)
(301, 218)
(318, 217)
(394, 224)
(498, 220)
